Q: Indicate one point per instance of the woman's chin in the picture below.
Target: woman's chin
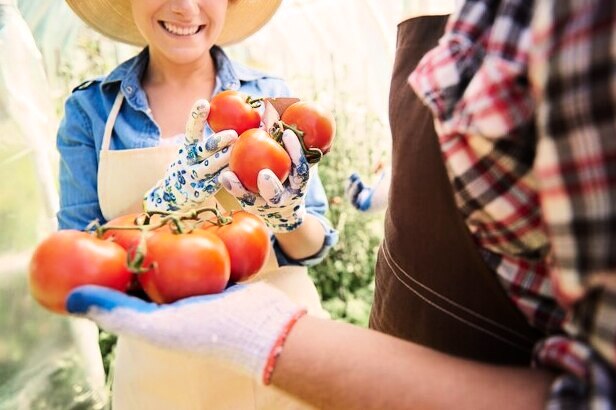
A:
(185, 55)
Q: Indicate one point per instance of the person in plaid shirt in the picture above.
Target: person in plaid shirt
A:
(523, 103)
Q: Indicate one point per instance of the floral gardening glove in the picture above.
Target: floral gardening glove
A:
(280, 205)
(245, 326)
(194, 175)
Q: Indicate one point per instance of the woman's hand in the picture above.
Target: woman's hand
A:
(244, 326)
(280, 205)
(194, 175)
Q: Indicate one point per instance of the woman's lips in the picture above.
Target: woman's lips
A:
(180, 30)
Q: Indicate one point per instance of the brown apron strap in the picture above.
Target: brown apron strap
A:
(432, 286)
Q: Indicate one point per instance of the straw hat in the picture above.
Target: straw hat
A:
(114, 19)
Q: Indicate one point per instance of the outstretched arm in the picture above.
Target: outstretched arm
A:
(260, 332)
(337, 365)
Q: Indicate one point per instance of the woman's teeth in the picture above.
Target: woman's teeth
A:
(180, 31)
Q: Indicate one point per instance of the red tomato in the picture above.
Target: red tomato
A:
(68, 259)
(248, 242)
(129, 239)
(125, 238)
(255, 150)
(230, 110)
(184, 265)
(316, 123)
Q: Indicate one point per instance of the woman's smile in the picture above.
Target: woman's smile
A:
(181, 30)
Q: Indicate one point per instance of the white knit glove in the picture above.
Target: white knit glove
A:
(194, 175)
(281, 206)
(245, 326)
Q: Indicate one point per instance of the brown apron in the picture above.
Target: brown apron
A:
(432, 287)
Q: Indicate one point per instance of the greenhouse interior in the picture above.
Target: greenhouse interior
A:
(298, 204)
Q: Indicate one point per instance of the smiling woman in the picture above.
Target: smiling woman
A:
(125, 146)
(180, 31)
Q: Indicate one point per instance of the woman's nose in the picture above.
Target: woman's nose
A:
(185, 7)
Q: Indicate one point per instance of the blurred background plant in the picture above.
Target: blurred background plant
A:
(321, 59)
(345, 278)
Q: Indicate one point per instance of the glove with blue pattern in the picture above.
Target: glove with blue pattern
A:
(281, 206)
(194, 175)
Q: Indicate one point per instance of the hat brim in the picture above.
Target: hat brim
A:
(114, 19)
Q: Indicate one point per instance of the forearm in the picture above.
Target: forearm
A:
(335, 365)
(305, 241)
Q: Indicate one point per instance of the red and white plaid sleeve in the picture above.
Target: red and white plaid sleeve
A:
(537, 199)
(573, 74)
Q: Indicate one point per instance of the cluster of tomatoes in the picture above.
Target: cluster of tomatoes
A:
(169, 258)
(257, 148)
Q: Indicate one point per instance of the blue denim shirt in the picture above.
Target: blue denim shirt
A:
(81, 132)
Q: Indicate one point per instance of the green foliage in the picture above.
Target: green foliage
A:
(345, 278)
(94, 56)
(107, 343)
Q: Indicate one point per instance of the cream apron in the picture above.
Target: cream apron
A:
(147, 377)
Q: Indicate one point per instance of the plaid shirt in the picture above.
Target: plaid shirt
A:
(534, 173)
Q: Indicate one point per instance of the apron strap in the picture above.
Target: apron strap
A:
(115, 109)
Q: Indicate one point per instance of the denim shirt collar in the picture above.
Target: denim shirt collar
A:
(129, 74)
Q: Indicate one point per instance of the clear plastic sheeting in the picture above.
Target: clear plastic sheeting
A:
(41, 363)
(43, 18)
(46, 361)
(54, 28)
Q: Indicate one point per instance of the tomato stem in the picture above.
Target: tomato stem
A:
(142, 222)
(176, 220)
(220, 218)
(96, 228)
(254, 102)
(143, 219)
(280, 126)
(135, 261)
(313, 155)
(176, 225)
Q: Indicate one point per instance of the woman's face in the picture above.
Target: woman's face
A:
(181, 30)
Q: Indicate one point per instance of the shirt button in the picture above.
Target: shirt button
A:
(231, 85)
(129, 89)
